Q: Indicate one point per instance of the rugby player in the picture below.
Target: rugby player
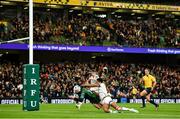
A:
(106, 99)
(149, 83)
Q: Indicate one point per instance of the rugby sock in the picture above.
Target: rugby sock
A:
(143, 101)
(124, 108)
(118, 108)
(152, 102)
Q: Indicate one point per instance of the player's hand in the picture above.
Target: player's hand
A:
(71, 97)
(152, 89)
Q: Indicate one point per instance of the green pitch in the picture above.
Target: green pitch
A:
(52, 111)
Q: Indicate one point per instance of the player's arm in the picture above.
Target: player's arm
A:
(141, 81)
(90, 85)
(153, 82)
(71, 96)
(87, 81)
(82, 95)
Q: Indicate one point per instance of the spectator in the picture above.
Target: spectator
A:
(57, 80)
(90, 30)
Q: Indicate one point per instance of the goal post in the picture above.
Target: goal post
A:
(31, 87)
(31, 83)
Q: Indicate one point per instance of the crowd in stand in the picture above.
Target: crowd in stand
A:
(150, 33)
(89, 30)
(57, 80)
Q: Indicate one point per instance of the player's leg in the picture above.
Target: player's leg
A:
(151, 101)
(106, 108)
(78, 105)
(98, 106)
(134, 97)
(106, 102)
(76, 100)
(116, 107)
(95, 101)
(143, 94)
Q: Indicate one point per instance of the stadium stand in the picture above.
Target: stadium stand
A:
(57, 80)
(91, 30)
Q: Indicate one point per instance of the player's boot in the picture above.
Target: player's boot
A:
(133, 110)
(78, 105)
(114, 112)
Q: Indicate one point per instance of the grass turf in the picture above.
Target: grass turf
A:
(49, 111)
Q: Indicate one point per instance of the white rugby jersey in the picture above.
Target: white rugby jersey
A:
(102, 91)
(93, 80)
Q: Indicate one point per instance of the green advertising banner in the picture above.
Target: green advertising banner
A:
(31, 85)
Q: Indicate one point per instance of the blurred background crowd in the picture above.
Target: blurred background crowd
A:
(57, 80)
(88, 29)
